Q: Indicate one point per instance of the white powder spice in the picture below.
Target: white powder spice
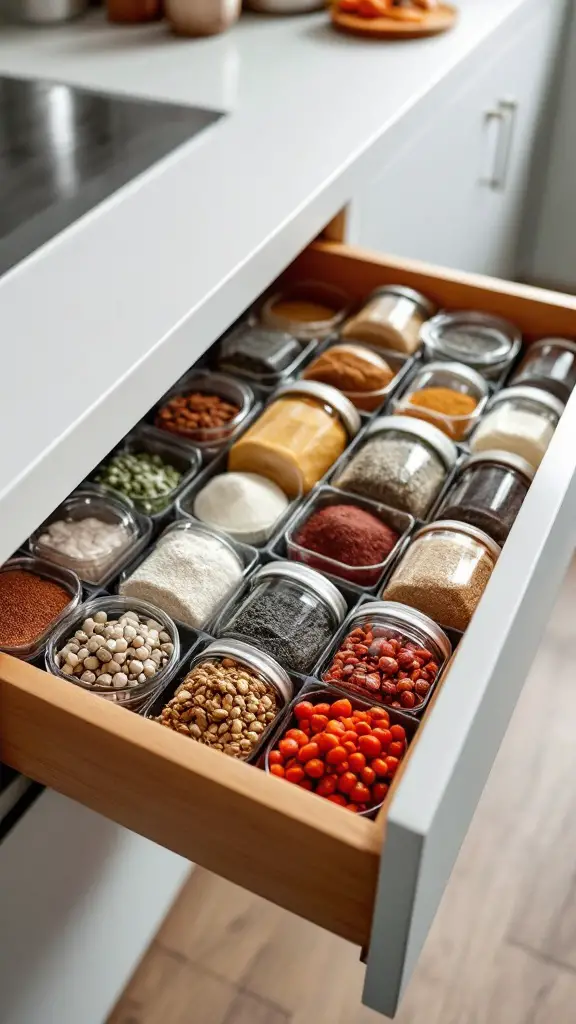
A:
(188, 574)
(520, 431)
(245, 505)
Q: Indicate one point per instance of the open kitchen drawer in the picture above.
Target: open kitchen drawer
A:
(378, 883)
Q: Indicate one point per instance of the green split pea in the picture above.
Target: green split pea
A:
(146, 479)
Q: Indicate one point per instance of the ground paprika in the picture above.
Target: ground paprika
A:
(349, 536)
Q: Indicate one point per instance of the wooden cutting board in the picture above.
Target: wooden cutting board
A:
(441, 19)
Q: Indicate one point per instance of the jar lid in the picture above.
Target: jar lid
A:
(500, 458)
(424, 431)
(454, 526)
(309, 578)
(477, 339)
(460, 371)
(256, 659)
(570, 346)
(543, 398)
(347, 412)
(411, 617)
(422, 301)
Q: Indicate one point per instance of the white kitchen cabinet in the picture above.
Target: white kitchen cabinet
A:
(457, 192)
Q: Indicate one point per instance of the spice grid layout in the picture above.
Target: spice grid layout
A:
(279, 561)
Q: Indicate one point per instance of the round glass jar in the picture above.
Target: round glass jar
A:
(444, 572)
(357, 371)
(229, 682)
(549, 364)
(95, 557)
(402, 462)
(297, 437)
(391, 318)
(290, 611)
(488, 492)
(450, 396)
(205, 408)
(131, 693)
(307, 310)
(27, 616)
(389, 653)
(520, 420)
(487, 343)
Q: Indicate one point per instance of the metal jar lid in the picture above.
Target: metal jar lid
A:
(565, 343)
(425, 305)
(454, 526)
(508, 460)
(537, 395)
(460, 372)
(309, 578)
(347, 412)
(254, 658)
(401, 613)
(420, 429)
(497, 341)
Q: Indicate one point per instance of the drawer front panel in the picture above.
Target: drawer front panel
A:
(367, 881)
(444, 778)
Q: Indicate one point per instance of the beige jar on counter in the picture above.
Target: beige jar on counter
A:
(201, 17)
(298, 436)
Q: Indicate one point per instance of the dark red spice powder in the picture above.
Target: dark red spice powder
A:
(28, 604)
(351, 535)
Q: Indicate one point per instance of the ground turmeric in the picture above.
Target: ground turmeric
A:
(454, 410)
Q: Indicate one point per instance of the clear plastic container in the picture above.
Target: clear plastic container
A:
(209, 439)
(488, 492)
(96, 562)
(130, 696)
(289, 610)
(190, 582)
(261, 354)
(359, 372)
(401, 462)
(329, 695)
(487, 343)
(437, 387)
(391, 318)
(398, 655)
(549, 364)
(444, 572)
(307, 310)
(361, 575)
(181, 456)
(263, 684)
(32, 645)
(297, 437)
(520, 420)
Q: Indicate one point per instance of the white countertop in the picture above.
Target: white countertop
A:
(99, 322)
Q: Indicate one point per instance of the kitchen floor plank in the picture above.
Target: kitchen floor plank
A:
(505, 928)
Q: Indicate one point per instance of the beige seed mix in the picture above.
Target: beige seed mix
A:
(116, 653)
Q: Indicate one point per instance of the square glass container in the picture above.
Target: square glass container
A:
(439, 383)
(55, 574)
(307, 309)
(208, 439)
(366, 576)
(106, 507)
(186, 459)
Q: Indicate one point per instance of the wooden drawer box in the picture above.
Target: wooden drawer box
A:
(376, 883)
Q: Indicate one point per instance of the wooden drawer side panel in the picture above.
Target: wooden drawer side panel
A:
(274, 839)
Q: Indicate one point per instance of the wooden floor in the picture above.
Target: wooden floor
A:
(503, 947)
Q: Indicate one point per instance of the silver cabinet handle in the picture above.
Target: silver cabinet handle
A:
(505, 114)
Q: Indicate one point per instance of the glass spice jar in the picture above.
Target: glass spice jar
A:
(229, 699)
(297, 437)
(290, 611)
(206, 408)
(549, 364)
(389, 653)
(451, 396)
(402, 462)
(444, 572)
(35, 596)
(520, 420)
(307, 310)
(391, 318)
(488, 492)
(487, 343)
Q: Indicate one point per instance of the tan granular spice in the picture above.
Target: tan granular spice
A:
(443, 577)
(224, 704)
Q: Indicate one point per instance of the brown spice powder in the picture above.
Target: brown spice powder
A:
(28, 604)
